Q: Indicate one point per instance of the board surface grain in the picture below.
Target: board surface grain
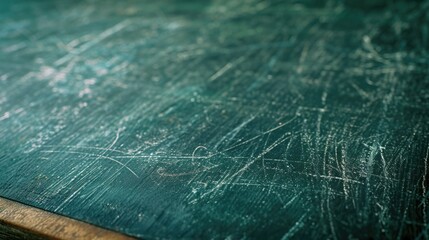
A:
(219, 119)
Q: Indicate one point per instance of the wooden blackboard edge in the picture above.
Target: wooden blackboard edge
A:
(48, 225)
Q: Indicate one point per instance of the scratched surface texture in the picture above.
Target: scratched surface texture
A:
(219, 119)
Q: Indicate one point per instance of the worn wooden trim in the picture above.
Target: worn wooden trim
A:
(49, 225)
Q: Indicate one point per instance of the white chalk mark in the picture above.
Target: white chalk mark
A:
(225, 68)
(116, 138)
(425, 219)
(196, 149)
(107, 33)
(229, 178)
(5, 116)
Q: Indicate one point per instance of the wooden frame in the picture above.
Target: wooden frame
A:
(42, 224)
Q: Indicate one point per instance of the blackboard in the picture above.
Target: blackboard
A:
(303, 119)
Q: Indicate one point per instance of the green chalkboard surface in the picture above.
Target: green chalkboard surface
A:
(235, 119)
